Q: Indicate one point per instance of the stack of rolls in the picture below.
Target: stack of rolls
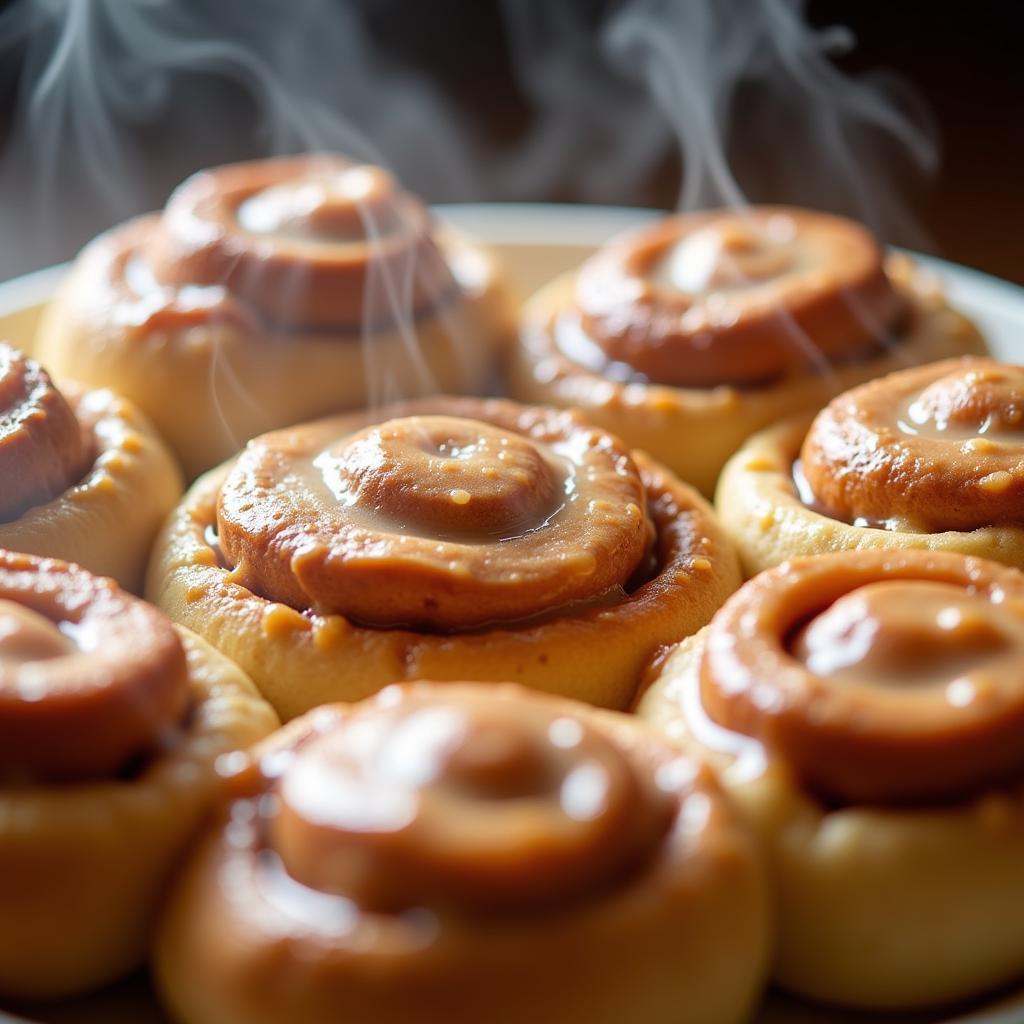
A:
(272, 292)
(823, 780)
(437, 540)
(686, 336)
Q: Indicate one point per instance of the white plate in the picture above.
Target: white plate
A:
(537, 242)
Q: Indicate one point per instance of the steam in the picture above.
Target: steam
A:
(117, 100)
(760, 111)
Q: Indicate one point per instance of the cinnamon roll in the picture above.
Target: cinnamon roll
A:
(686, 336)
(441, 539)
(110, 721)
(467, 853)
(272, 292)
(926, 458)
(84, 476)
(866, 711)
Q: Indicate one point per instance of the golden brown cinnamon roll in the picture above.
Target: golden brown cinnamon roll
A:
(686, 336)
(468, 853)
(271, 292)
(436, 540)
(926, 458)
(110, 721)
(83, 476)
(866, 711)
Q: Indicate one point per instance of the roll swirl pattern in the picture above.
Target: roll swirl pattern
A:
(90, 677)
(463, 834)
(930, 450)
(885, 678)
(445, 535)
(85, 476)
(111, 719)
(928, 457)
(273, 291)
(866, 710)
(714, 298)
(42, 447)
(687, 335)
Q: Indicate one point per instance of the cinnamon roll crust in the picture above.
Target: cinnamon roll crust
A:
(86, 478)
(523, 825)
(273, 292)
(860, 736)
(90, 677)
(671, 567)
(924, 458)
(687, 336)
(436, 521)
(716, 298)
(934, 449)
(110, 722)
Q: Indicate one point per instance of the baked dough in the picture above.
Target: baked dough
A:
(85, 476)
(272, 292)
(466, 853)
(332, 559)
(864, 711)
(110, 725)
(864, 475)
(687, 336)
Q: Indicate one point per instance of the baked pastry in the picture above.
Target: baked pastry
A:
(931, 457)
(110, 721)
(441, 539)
(688, 335)
(83, 476)
(468, 853)
(866, 712)
(272, 292)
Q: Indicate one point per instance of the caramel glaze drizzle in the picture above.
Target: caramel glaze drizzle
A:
(738, 298)
(43, 447)
(493, 514)
(930, 449)
(454, 797)
(877, 677)
(91, 678)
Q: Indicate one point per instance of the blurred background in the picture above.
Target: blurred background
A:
(906, 115)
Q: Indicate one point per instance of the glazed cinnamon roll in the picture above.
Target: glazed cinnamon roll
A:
(110, 721)
(267, 293)
(686, 336)
(467, 853)
(436, 540)
(926, 458)
(866, 712)
(83, 476)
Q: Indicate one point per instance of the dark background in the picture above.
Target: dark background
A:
(964, 60)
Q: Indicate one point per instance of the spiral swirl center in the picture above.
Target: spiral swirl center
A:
(986, 401)
(348, 205)
(877, 676)
(90, 677)
(26, 636)
(445, 476)
(905, 633)
(467, 799)
(729, 254)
